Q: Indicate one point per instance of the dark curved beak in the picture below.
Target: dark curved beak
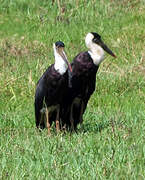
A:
(66, 60)
(104, 46)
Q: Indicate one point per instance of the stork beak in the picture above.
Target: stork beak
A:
(104, 46)
(62, 54)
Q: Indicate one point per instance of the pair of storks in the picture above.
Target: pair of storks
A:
(63, 91)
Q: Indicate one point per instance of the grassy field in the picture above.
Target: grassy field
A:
(111, 142)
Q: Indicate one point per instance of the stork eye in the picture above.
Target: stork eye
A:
(95, 40)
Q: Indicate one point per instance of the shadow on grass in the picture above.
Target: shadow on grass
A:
(88, 127)
(83, 128)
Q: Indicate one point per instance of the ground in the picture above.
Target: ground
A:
(110, 143)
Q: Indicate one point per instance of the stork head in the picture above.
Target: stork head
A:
(59, 52)
(94, 41)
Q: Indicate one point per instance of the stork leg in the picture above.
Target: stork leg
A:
(41, 122)
(47, 121)
(81, 112)
(57, 120)
(71, 118)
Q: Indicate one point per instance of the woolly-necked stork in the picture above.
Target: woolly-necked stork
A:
(84, 68)
(51, 89)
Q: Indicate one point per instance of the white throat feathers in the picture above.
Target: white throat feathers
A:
(59, 65)
(96, 52)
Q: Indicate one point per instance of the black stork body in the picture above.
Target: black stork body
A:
(51, 89)
(84, 68)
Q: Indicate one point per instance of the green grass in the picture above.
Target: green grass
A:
(110, 144)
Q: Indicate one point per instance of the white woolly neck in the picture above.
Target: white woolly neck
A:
(96, 52)
(59, 65)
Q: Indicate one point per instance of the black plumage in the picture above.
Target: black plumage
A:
(83, 86)
(84, 69)
(50, 94)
